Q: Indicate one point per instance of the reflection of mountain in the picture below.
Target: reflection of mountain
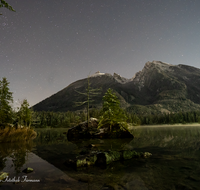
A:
(159, 87)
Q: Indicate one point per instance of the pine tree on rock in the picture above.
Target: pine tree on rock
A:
(90, 94)
(112, 113)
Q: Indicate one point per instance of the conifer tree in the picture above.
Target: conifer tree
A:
(90, 92)
(24, 114)
(112, 113)
(6, 5)
(6, 112)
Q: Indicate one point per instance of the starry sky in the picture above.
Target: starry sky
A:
(46, 44)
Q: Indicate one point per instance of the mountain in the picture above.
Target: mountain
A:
(159, 87)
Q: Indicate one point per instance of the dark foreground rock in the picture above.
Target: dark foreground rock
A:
(83, 131)
(28, 170)
(104, 158)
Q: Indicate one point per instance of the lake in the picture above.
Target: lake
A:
(174, 165)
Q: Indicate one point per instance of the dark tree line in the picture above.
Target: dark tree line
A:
(171, 118)
(70, 119)
(61, 119)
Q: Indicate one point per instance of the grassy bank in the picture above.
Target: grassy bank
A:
(10, 134)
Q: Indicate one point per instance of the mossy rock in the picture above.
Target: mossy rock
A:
(112, 156)
(85, 160)
(3, 175)
(128, 154)
(105, 158)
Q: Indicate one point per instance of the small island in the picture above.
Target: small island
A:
(112, 122)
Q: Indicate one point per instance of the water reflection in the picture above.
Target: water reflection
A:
(16, 153)
(174, 164)
(181, 139)
(51, 136)
(15, 157)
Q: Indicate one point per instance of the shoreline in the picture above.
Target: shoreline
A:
(169, 125)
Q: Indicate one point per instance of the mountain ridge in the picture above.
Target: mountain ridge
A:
(159, 87)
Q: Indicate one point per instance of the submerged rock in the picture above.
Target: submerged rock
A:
(82, 131)
(82, 160)
(105, 158)
(128, 154)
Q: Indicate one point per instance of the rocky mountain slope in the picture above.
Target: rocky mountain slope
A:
(159, 87)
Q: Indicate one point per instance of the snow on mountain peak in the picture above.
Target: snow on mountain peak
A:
(97, 74)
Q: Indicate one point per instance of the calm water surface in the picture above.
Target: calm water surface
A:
(175, 164)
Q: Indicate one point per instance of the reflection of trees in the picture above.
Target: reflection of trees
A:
(50, 136)
(185, 139)
(16, 151)
(19, 159)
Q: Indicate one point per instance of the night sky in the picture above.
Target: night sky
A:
(47, 44)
